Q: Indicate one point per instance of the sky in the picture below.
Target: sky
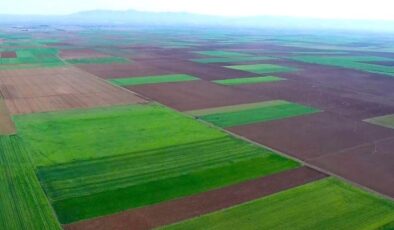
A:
(338, 9)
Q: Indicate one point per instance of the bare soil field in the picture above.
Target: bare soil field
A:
(326, 135)
(196, 95)
(81, 53)
(9, 54)
(7, 126)
(192, 206)
(41, 90)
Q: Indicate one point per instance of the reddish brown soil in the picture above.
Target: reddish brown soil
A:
(81, 53)
(192, 206)
(41, 90)
(148, 67)
(134, 69)
(10, 54)
(348, 93)
(7, 126)
(318, 136)
(196, 95)
(363, 164)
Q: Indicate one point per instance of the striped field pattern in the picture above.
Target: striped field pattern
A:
(23, 203)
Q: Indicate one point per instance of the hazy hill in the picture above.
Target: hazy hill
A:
(105, 17)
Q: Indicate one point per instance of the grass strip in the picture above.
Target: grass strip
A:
(385, 121)
(351, 62)
(152, 79)
(230, 59)
(220, 53)
(262, 68)
(233, 108)
(100, 60)
(258, 114)
(249, 80)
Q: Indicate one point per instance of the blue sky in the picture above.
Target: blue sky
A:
(343, 9)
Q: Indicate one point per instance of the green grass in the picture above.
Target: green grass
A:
(233, 108)
(101, 60)
(23, 203)
(220, 53)
(100, 161)
(385, 121)
(230, 59)
(257, 114)
(325, 204)
(248, 80)
(61, 137)
(99, 187)
(262, 68)
(152, 79)
(351, 62)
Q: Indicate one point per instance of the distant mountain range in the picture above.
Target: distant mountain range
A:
(132, 17)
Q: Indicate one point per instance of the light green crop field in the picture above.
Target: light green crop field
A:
(351, 62)
(231, 59)
(385, 121)
(101, 60)
(262, 68)
(325, 204)
(249, 80)
(135, 155)
(152, 79)
(257, 114)
(220, 53)
(23, 204)
(234, 108)
(61, 137)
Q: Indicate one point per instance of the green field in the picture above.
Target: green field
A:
(351, 62)
(61, 137)
(152, 79)
(93, 188)
(385, 121)
(325, 204)
(234, 108)
(131, 156)
(32, 58)
(100, 60)
(224, 54)
(248, 80)
(262, 68)
(259, 113)
(23, 204)
(231, 59)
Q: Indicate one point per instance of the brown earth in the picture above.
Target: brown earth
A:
(10, 54)
(149, 67)
(194, 95)
(369, 164)
(203, 203)
(320, 135)
(7, 126)
(41, 90)
(80, 53)
(135, 69)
